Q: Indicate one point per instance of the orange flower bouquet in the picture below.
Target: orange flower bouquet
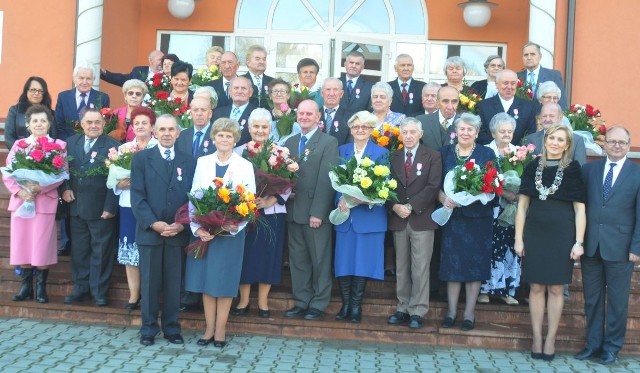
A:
(388, 136)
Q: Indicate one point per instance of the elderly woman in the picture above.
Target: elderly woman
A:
(34, 92)
(487, 87)
(455, 70)
(33, 241)
(280, 92)
(217, 275)
(181, 73)
(167, 62)
(505, 264)
(208, 93)
(134, 91)
(262, 263)
(308, 69)
(142, 121)
(381, 96)
(359, 251)
(213, 56)
(549, 231)
(466, 238)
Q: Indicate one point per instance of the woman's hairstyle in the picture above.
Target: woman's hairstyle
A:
(134, 83)
(215, 48)
(182, 67)
(277, 81)
(500, 119)
(143, 110)
(226, 125)
(547, 87)
(492, 57)
(38, 109)
(566, 155)
(171, 57)
(384, 87)
(23, 101)
(455, 61)
(469, 119)
(209, 92)
(307, 62)
(260, 114)
(364, 117)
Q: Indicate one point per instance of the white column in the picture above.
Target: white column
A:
(89, 34)
(542, 28)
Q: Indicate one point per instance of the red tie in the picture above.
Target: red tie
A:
(407, 166)
(404, 93)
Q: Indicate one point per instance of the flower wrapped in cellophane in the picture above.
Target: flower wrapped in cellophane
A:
(274, 169)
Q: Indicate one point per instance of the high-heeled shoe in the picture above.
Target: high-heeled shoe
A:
(204, 342)
(537, 355)
(240, 311)
(546, 357)
(133, 306)
(219, 344)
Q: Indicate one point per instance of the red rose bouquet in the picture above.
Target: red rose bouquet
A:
(524, 90)
(586, 121)
(158, 82)
(275, 170)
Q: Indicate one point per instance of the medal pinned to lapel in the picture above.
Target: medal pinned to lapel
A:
(205, 146)
(357, 92)
(179, 171)
(93, 157)
(411, 98)
(515, 113)
(419, 167)
(335, 124)
(244, 121)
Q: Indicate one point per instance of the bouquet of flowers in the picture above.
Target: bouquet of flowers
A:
(512, 165)
(298, 95)
(214, 207)
(469, 100)
(368, 182)
(518, 159)
(42, 163)
(388, 137)
(110, 119)
(468, 183)
(118, 164)
(524, 90)
(284, 124)
(163, 103)
(586, 121)
(205, 75)
(158, 82)
(275, 170)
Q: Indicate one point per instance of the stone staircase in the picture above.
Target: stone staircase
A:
(497, 325)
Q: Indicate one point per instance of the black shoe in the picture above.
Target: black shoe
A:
(26, 289)
(415, 322)
(174, 338)
(607, 358)
(398, 318)
(448, 322)
(295, 312)
(75, 297)
(265, 314)
(537, 355)
(64, 251)
(204, 342)
(468, 325)
(147, 340)
(219, 344)
(41, 276)
(546, 357)
(588, 353)
(240, 311)
(313, 314)
(133, 306)
(101, 302)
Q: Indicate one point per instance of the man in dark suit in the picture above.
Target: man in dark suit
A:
(71, 104)
(437, 126)
(308, 215)
(138, 72)
(160, 180)
(536, 74)
(523, 111)
(357, 88)
(418, 171)
(334, 117)
(550, 114)
(229, 66)
(240, 107)
(407, 92)
(612, 246)
(257, 64)
(92, 210)
(429, 99)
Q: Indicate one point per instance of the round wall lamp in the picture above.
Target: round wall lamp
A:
(181, 8)
(477, 13)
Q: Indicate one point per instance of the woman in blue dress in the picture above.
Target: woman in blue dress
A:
(466, 237)
(359, 240)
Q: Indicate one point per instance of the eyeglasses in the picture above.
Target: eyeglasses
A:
(279, 92)
(551, 98)
(361, 128)
(35, 91)
(619, 143)
(134, 93)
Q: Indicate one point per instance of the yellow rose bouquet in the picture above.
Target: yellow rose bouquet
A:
(367, 181)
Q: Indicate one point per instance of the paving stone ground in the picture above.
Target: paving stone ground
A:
(34, 346)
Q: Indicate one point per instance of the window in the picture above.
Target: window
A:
(473, 55)
(191, 46)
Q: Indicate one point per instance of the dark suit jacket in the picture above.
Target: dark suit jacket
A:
(156, 193)
(225, 112)
(185, 142)
(259, 98)
(342, 133)
(480, 87)
(217, 86)
(525, 119)
(434, 136)
(138, 72)
(421, 191)
(578, 152)
(91, 193)
(313, 191)
(360, 98)
(67, 110)
(546, 75)
(413, 105)
(15, 127)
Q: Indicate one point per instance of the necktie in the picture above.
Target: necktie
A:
(349, 87)
(532, 81)
(445, 124)
(235, 115)
(226, 88)
(404, 93)
(303, 142)
(259, 85)
(82, 105)
(608, 182)
(407, 165)
(328, 119)
(167, 155)
(196, 144)
(87, 145)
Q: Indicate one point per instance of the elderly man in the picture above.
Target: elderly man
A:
(407, 92)
(438, 125)
(257, 64)
(309, 229)
(418, 171)
(612, 246)
(551, 113)
(138, 72)
(429, 99)
(357, 95)
(92, 210)
(535, 74)
(523, 111)
(160, 181)
(229, 66)
(196, 140)
(72, 104)
(240, 107)
(334, 117)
